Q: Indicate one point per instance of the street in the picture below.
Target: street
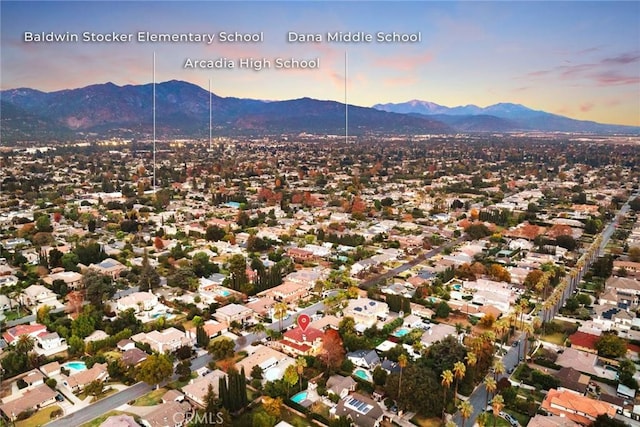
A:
(479, 395)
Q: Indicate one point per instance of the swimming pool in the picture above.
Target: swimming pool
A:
(362, 374)
(223, 292)
(75, 366)
(457, 287)
(299, 397)
(401, 332)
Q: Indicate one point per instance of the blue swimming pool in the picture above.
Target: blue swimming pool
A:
(76, 366)
(361, 373)
(401, 332)
(299, 397)
(457, 287)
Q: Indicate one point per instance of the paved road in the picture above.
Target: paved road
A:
(110, 403)
(366, 284)
(102, 406)
(479, 395)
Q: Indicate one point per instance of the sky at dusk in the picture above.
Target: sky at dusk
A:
(579, 59)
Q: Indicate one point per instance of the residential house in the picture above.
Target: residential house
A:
(437, 333)
(211, 328)
(551, 421)
(50, 369)
(133, 357)
(71, 279)
(34, 398)
(584, 341)
(172, 396)
(366, 312)
(341, 386)
(233, 313)
(272, 362)
(297, 342)
(197, 389)
(120, 420)
(164, 341)
(33, 378)
(125, 344)
(573, 380)
(48, 343)
(261, 306)
(169, 414)
(288, 292)
(138, 301)
(364, 358)
(581, 409)
(78, 381)
(36, 296)
(299, 255)
(12, 334)
(109, 267)
(362, 410)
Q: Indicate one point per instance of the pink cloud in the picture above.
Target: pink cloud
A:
(586, 107)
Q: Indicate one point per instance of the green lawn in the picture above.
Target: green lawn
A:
(40, 418)
(500, 422)
(152, 398)
(558, 338)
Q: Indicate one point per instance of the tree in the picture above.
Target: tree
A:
(301, 363)
(447, 380)
(459, 370)
(443, 310)
(611, 345)
(202, 266)
(273, 406)
(477, 231)
(183, 370)
(238, 272)
(634, 254)
(498, 405)
(290, 376)
(202, 339)
(333, 352)
(379, 376)
(222, 348)
(149, 277)
(280, 312)
(156, 368)
(566, 241)
(499, 273)
(466, 410)
(24, 344)
(98, 288)
(94, 388)
(604, 420)
(402, 363)
(491, 385)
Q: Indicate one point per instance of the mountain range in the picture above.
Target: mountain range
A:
(502, 117)
(182, 109)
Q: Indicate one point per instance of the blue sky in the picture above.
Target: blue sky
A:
(580, 59)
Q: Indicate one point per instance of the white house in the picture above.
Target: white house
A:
(138, 301)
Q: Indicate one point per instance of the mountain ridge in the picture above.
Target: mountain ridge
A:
(182, 109)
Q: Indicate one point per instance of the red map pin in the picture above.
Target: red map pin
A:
(303, 321)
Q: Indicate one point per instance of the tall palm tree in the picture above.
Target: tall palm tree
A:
(466, 410)
(24, 344)
(491, 385)
(482, 419)
(447, 380)
(472, 360)
(498, 369)
(301, 363)
(527, 329)
(280, 312)
(498, 405)
(402, 362)
(459, 369)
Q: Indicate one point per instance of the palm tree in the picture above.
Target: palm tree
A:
(527, 329)
(459, 369)
(466, 410)
(491, 385)
(402, 362)
(471, 359)
(24, 344)
(498, 405)
(280, 312)
(447, 379)
(498, 369)
(301, 363)
(482, 419)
